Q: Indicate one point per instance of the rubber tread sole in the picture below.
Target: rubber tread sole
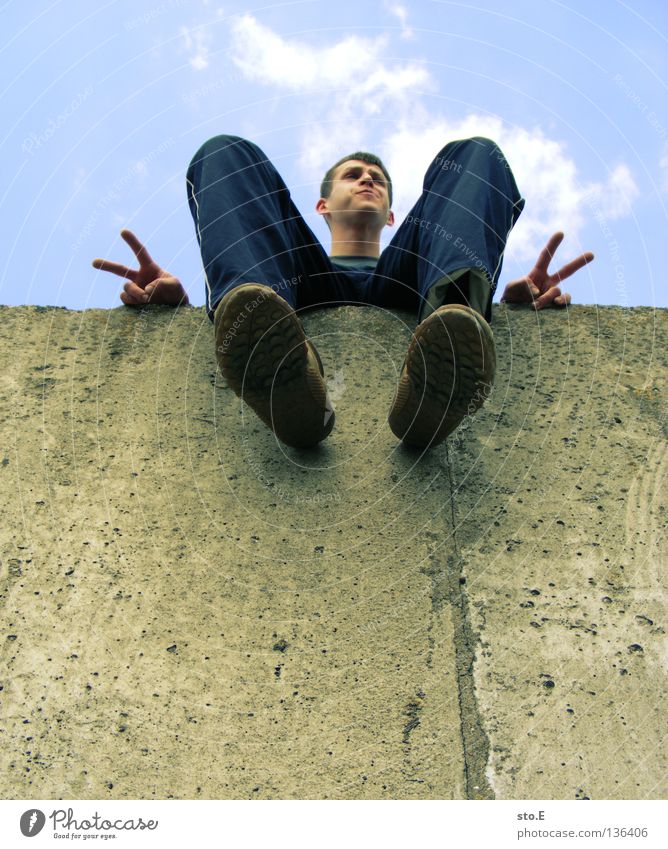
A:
(268, 361)
(447, 375)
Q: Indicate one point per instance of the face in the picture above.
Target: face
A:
(359, 193)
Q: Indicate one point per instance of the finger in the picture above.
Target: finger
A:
(572, 267)
(114, 268)
(149, 291)
(545, 256)
(128, 301)
(155, 285)
(139, 250)
(135, 292)
(547, 298)
(520, 292)
(562, 301)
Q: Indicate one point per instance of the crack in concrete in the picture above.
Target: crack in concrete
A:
(448, 586)
(413, 713)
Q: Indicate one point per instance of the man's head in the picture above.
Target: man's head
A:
(359, 156)
(358, 183)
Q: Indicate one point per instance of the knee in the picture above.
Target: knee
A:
(455, 154)
(224, 140)
(480, 144)
(449, 156)
(482, 141)
(477, 143)
(220, 144)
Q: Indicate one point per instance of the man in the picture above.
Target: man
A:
(263, 264)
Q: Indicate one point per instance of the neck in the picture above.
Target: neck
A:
(349, 241)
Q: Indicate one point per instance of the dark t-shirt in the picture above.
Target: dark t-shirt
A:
(357, 263)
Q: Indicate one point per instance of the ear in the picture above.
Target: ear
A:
(390, 219)
(321, 207)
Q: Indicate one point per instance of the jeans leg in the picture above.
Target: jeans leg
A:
(453, 239)
(247, 226)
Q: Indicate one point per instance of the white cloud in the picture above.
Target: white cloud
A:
(265, 57)
(196, 43)
(377, 104)
(557, 198)
(400, 12)
(350, 80)
(616, 195)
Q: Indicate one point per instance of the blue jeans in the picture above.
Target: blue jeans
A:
(249, 230)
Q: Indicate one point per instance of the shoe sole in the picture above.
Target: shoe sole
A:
(447, 375)
(267, 360)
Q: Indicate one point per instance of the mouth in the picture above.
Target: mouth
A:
(367, 192)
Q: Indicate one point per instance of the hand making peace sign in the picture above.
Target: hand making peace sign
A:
(539, 288)
(147, 284)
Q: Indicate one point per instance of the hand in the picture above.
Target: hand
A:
(539, 288)
(149, 283)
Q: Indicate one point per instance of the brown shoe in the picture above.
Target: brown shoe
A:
(267, 360)
(447, 375)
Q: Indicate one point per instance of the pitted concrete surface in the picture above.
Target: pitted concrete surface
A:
(190, 610)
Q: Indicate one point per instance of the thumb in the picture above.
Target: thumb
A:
(547, 298)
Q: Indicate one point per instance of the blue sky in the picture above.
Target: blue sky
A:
(104, 105)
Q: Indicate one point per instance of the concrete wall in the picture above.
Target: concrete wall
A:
(190, 610)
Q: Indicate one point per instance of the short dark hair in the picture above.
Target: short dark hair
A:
(362, 156)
